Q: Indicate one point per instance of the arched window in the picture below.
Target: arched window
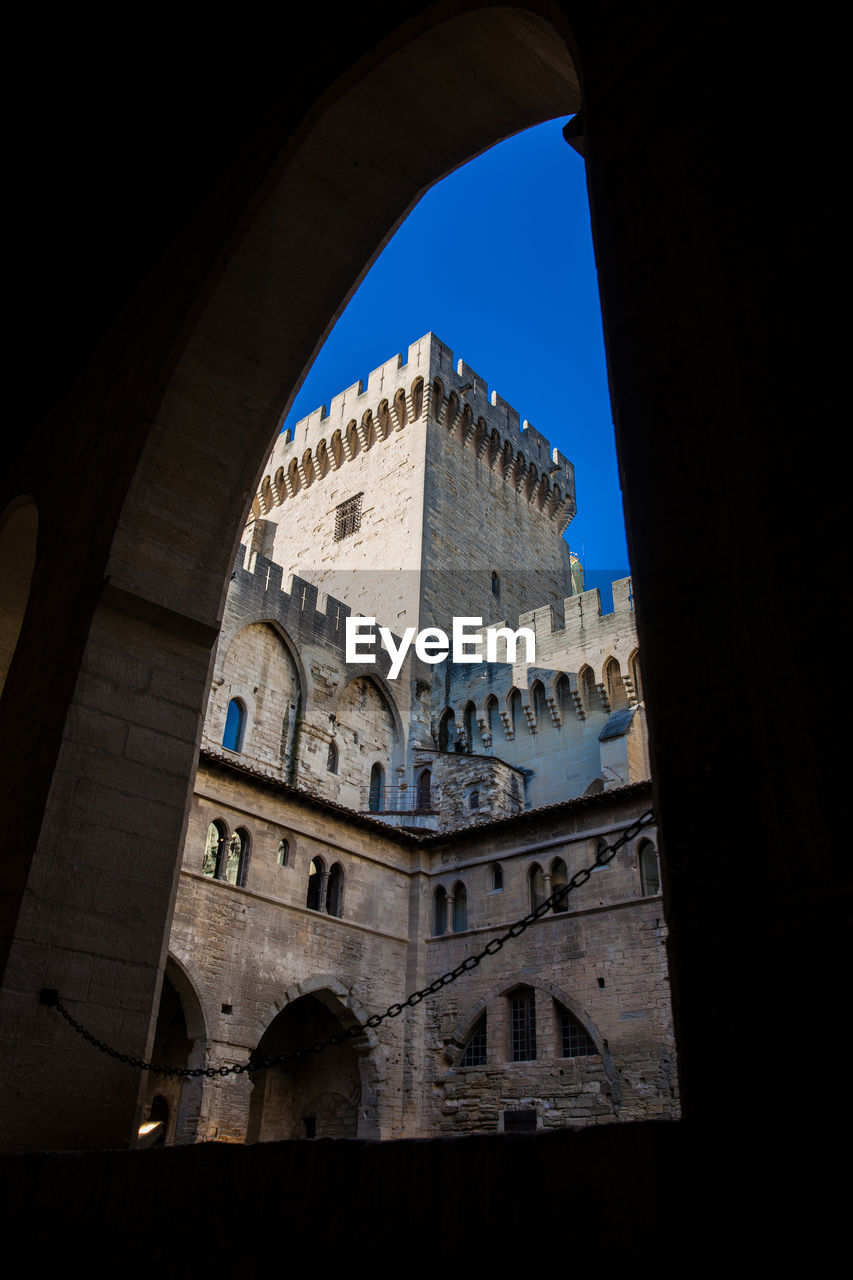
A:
(235, 726)
(559, 879)
(536, 882)
(283, 853)
(375, 800)
(602, 849)
(649, 870)
(446, 730)
(523, 1025)
(636, 676)
(497, 878)
(316, 874)
(335, 891)
(437, 398)
(491, 713)
(474, 1053)
(589, 693)
(470, 725)
(439, 912)
(614, 684)
(474, 799)
(424, 795)
(460, 908)
(213, 849)
(575, 1040)
(332, 759)
(237, 861)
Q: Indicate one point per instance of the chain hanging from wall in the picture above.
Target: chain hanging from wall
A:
(556, 901)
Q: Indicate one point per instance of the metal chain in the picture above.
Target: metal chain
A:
(556, 901)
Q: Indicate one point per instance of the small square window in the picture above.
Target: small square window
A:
(348, 517)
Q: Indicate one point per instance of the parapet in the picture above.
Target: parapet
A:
(261, 591)
(400, 393)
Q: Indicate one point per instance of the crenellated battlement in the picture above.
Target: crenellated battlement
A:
(426, 388)
(260, 588)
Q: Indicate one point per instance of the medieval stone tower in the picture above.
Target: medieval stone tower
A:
(414, 501)
(383, 499)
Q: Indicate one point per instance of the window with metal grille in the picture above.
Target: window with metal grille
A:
(348, 517)
(575, 1040)
(524, 1027)
(474, 1054)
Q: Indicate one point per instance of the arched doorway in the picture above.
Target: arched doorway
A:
(172, 1104)
(316, 1096)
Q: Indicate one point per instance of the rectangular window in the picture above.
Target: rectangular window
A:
(524, 1027)
(348, 517)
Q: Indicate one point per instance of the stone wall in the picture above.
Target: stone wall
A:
(255, 951)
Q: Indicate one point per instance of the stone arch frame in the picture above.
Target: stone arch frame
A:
(370, 1055)
(184, 1123)
(466, 1025)
(135, 396)
(227, 638)
(229, 635)
(188, 987)
(365, 672)
(136, 585)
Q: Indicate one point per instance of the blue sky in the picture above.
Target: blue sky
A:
(497, 261)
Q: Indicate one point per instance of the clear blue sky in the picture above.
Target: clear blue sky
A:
(497, 261)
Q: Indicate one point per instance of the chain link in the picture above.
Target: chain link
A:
(556, 901)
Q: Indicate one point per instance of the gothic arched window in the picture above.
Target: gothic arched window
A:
(460, 908)
(332, 759)
(237, 858)
(536, 882)
(439, 912)
(470, 724)
(316, 872)
(446, 730)
(214, 847)
(649, 870)
(376, 796)
(424, 797)
(335, 891)
(559, 880)
(235, 726)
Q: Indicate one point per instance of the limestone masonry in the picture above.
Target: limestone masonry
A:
(352, 837)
